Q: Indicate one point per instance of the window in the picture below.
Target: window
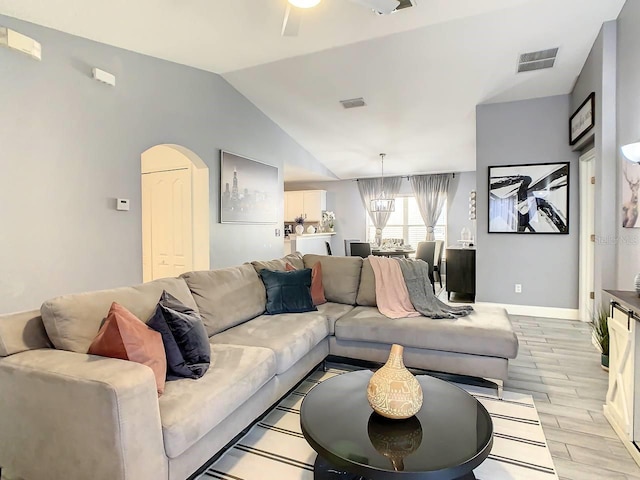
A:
(406, 223)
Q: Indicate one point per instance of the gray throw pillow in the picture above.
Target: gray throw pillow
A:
(185, 339)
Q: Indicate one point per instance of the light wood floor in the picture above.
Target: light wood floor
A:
(560, 368)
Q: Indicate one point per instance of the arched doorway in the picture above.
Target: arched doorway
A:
(175, 212)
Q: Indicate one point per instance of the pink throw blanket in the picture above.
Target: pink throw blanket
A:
(392, 295)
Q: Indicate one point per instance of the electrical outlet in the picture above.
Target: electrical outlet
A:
(518, 288)
(277, 232)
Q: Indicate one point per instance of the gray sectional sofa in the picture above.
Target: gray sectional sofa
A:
(68, 415)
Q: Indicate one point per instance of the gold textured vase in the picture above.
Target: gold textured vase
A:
(393, 391)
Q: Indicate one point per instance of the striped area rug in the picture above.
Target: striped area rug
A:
(275, 449)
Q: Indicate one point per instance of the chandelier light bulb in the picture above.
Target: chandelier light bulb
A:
(304, 3)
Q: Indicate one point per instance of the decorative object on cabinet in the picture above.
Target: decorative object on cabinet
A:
(328, 220)
(249, 190)
(530, 198)
(299, 224)
(583, 119)
(311, 229)
(600, 327)
(381, 203)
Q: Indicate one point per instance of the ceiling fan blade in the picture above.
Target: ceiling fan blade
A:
(383, 6)
(291, 23)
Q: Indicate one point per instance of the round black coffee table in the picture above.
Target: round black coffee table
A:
(450, 436)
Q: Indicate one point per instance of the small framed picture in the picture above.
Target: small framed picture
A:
(583, 119)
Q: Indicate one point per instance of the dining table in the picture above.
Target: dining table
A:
(392, 252)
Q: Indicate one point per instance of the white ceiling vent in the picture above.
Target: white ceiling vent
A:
(537, 60)
(353, 103)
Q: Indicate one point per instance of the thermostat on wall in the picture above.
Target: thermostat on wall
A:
(122, 204)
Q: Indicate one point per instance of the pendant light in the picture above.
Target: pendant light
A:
(381, 203)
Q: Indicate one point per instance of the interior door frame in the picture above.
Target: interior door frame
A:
(170, 157)
(586, 304)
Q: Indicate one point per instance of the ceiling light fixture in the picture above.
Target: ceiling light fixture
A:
(381, 203)
(304, 3)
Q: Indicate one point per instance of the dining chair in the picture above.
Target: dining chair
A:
(328, 245)
(360, 249)
(437, 260)
(347, 246)
(427, 251)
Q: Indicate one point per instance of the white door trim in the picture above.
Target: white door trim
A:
(587, 229)
(171, 157)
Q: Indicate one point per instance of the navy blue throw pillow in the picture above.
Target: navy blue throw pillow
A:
(288, 292)
(185, 339)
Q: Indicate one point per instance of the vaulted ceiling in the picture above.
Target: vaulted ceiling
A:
(421, 71)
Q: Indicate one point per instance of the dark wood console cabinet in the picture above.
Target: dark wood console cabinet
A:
(461, 271)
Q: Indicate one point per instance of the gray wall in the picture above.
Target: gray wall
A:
(598, 75)
(70, 145)
(628, 102)
(458, 206)
(530, 131)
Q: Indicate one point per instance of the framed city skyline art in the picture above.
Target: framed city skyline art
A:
(248, 190)
(532, 198)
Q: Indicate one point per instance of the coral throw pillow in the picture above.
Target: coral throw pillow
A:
(317, 290)
(125, 336)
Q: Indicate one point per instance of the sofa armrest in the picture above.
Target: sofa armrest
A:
(75, 416)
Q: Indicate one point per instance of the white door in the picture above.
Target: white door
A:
(167, 220)
(587, 235)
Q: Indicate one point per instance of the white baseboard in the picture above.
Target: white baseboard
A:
(534, 311)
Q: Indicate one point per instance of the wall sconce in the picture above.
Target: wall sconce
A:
(472, 205)
(631, 151)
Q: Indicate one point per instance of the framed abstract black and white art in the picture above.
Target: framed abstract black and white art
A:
(531, 198)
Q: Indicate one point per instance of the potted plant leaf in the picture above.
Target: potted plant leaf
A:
(600, 327)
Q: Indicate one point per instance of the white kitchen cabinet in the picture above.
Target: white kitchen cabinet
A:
(309, 203)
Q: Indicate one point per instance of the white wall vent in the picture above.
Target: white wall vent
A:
(353, 102)
(537, 60)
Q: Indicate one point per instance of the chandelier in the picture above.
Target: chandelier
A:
(381, 203)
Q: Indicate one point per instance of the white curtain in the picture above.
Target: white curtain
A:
(431, 193)
(370, 190)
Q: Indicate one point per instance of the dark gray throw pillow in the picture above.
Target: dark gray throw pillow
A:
(185, 339)
(288, 292)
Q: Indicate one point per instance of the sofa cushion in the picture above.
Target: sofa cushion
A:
(72, 321)
(334, 311)
(189, 409)
(227, 296)
(340, 276)
(126, 337)
(288, 292)
(290, 335)
(487, 331)
(279, 264)
(367, 288)
(22, 331)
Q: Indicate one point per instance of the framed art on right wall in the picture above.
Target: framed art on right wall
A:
(530, 198)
